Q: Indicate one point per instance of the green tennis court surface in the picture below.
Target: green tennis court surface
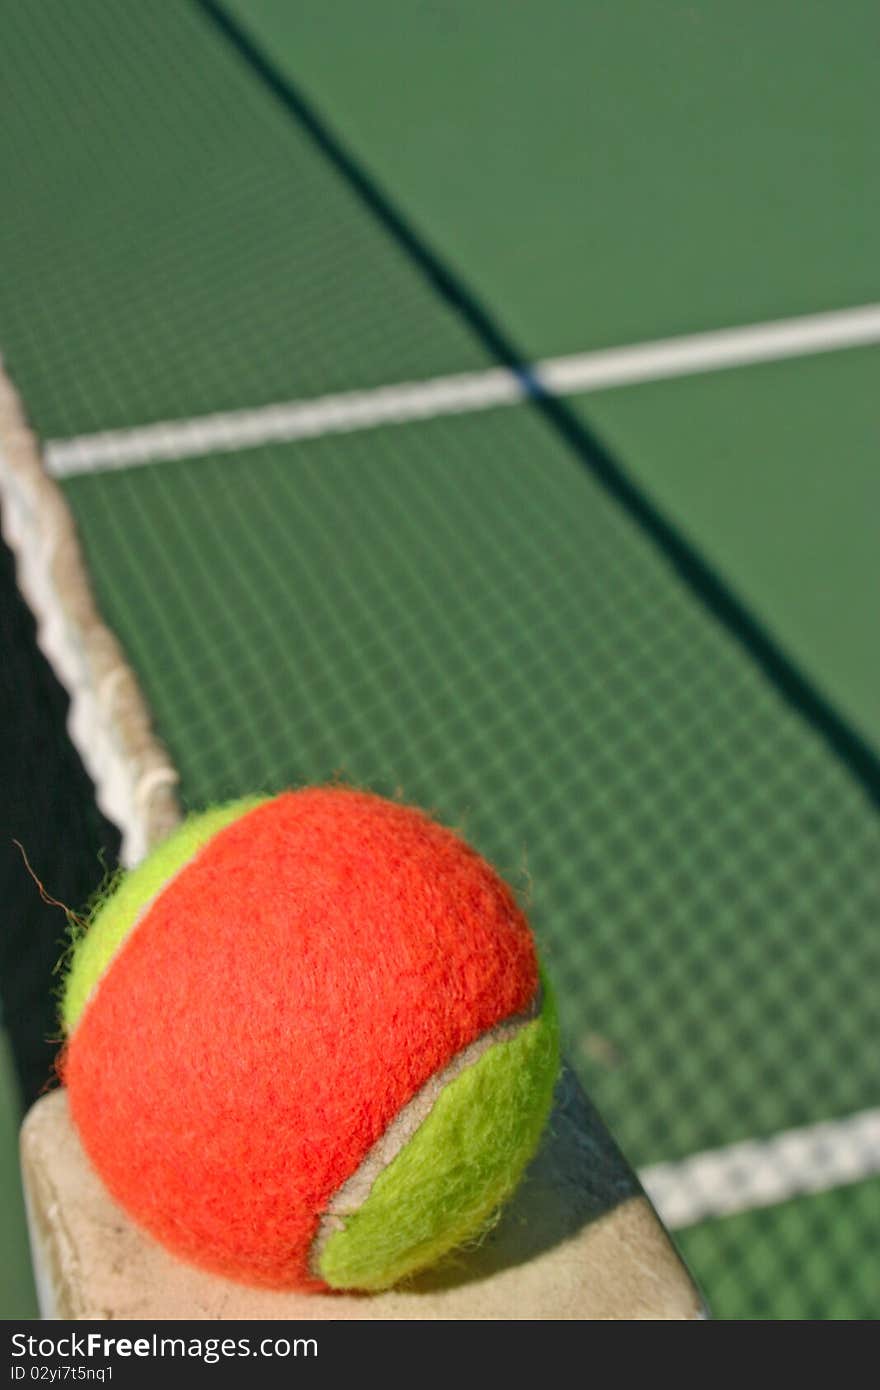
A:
(17, 1297)
(463, 606)
(773, 469)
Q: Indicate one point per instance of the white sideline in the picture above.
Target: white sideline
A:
(451, 395)
(763, 1172)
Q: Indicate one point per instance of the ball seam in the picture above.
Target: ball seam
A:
(355, 1191)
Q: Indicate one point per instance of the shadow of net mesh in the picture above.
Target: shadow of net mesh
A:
(453, 608)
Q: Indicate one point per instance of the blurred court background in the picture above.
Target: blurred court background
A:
(626, 637)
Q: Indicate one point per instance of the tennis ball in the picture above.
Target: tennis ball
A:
(308, 1045)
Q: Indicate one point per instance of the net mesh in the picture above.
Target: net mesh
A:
(456, 608)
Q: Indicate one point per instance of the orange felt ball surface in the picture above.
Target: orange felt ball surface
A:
(272, 1010)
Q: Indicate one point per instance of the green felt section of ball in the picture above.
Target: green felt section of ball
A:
(465, 1159)
(115, 914)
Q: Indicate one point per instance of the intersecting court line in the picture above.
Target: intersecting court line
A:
(762, 1172)
(463, 393)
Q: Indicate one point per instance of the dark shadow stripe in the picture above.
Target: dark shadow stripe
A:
(684, 557)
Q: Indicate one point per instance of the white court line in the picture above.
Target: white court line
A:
(762, 1172)
(450, 395)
